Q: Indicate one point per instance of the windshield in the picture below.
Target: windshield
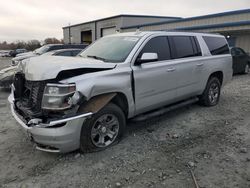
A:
(111, 49)
(41, 50)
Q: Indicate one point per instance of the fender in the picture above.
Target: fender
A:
(96, 103)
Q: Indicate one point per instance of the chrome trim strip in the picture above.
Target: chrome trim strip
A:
(48, 150)
(58, 95)
(56, 109)
(56, 122)
(71, 118)
(60, 85)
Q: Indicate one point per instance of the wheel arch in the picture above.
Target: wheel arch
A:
(218, 74)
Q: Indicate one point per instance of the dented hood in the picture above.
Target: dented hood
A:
(48, 67)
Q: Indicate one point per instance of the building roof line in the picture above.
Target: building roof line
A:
(123, 15)
(229, 24)
(191, 18)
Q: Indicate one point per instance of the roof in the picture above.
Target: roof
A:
(147, 33)
(124, 15)
(192, 18)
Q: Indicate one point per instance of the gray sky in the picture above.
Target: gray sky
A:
(38, 19)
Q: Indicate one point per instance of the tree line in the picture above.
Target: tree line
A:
(29, 45)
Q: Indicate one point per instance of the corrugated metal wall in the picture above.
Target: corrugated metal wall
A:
(199, 22)
(243, 41)
(241, 33)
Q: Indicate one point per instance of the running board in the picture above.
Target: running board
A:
(165, 109)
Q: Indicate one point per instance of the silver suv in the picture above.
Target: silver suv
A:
(68, 103)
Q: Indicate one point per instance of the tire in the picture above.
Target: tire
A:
(93, 129)
(246, 71)
(211, 94)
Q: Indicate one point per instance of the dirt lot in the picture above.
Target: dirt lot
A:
(215, 142)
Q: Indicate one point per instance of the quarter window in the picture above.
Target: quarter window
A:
(216, 45)
(157, 45)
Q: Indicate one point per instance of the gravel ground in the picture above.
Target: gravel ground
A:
(161, 152)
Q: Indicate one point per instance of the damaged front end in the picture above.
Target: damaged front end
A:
(49, 112)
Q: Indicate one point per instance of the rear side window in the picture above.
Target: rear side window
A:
(216, 45)
(185, 46)
(158, 45)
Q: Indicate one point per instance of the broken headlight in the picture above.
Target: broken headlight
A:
(60, 96)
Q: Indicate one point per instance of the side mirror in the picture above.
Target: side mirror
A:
(147, 57)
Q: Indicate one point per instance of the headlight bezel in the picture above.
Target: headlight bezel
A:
(58, 97)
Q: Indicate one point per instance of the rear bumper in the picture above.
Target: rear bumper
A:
(61, 139)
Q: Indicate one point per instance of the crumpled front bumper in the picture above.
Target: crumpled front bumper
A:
(61, 139)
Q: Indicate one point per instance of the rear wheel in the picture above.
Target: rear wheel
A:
(104, 129)
(211, 94)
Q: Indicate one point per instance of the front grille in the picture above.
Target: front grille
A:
(34, 91)
(28, 96)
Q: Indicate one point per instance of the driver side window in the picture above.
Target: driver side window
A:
(157, 45)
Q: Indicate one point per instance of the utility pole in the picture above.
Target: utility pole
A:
(69, 34)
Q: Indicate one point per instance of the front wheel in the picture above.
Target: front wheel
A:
(211, 94)
(103, 129)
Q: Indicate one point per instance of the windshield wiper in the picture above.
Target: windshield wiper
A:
(96, 57)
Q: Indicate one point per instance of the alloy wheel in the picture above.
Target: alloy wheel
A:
(213, 94)
(105, 130)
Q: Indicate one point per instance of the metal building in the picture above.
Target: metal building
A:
(89, 31)
(235, 25)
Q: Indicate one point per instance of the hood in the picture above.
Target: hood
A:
(23, 54)
(48, 67)
(22, 57)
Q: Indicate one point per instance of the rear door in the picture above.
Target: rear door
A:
(190, 67)
(154, 82)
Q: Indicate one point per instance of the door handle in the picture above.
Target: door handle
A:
(171, 69)
(199, 64)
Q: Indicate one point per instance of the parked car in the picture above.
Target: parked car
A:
(5, 53)
(72, 52)
(44, 49)
(7, 74)
(13, 53)
(241, 61)
(70, 103)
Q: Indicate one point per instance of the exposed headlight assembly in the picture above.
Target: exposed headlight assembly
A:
(60, 96)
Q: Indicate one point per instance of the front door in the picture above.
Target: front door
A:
(155, 82)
